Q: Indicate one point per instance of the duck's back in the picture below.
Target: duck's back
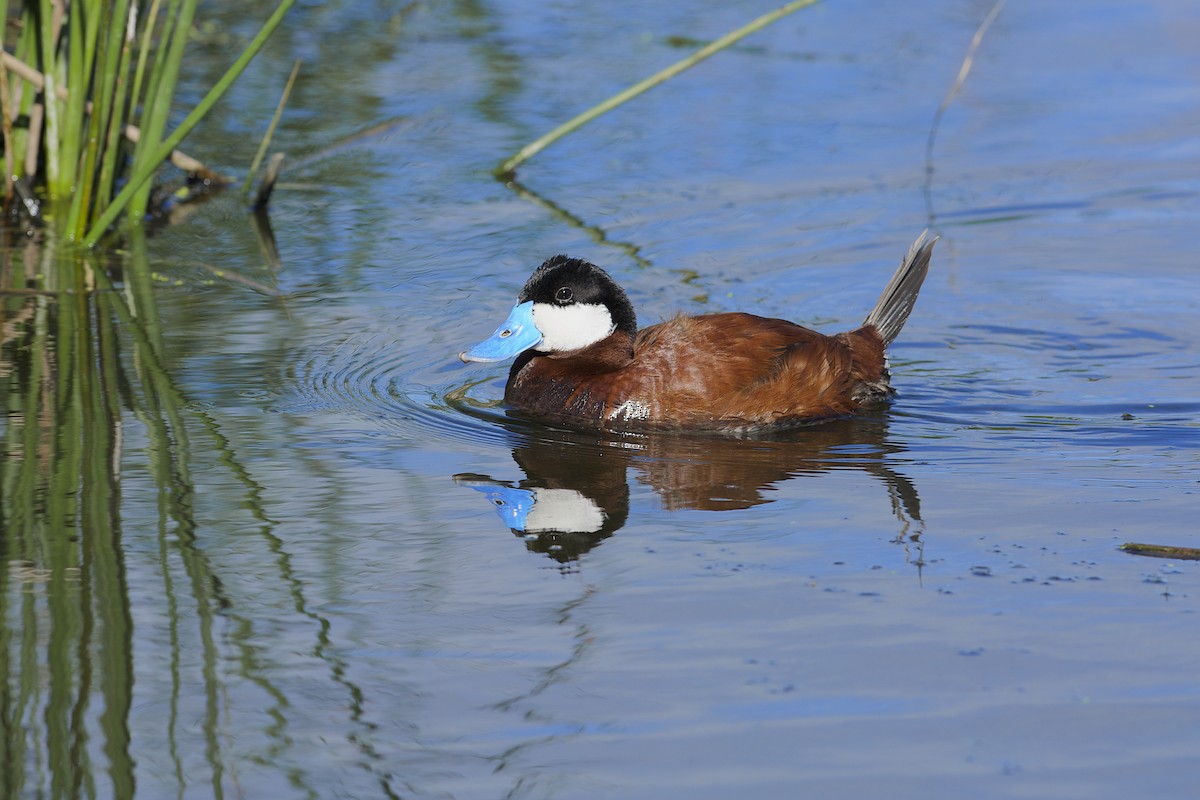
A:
(718, 372)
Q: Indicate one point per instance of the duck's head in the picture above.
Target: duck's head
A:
(567, 305)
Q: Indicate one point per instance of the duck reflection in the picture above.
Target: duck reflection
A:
(575, 493)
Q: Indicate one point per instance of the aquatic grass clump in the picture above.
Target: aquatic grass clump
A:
(86, 88)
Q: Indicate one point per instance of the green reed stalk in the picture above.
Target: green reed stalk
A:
(115, 92)
(5, 119)
(266, 140)
(76, 92)
(102, 147)
(508, 168)
(144, 167)
(25, 140)
(82, 64)
(145, 47)
(76, 70)
(157, 102)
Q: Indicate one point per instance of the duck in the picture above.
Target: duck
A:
(582, 362)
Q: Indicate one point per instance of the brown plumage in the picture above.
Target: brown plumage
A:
(731, 372)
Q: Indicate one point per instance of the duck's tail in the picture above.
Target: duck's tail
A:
(896, 302)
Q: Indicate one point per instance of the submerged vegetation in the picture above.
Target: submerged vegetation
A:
(86, 88)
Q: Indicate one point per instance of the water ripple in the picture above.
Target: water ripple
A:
(374, 378)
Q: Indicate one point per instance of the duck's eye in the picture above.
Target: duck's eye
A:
(564, 295)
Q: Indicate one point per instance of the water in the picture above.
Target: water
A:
(277, 567)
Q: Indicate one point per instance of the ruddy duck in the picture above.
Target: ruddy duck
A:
(583, 362)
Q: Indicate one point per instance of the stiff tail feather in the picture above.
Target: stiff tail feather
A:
(896, 302)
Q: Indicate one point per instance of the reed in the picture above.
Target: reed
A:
(86, 90)
(507, 169)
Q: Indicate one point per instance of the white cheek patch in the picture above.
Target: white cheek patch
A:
(567, 328)
(563, 510)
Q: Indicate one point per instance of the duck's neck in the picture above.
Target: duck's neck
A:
(610, 353)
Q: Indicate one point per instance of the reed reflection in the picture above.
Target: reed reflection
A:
(91, 597)
(65, 612)
(575, 493)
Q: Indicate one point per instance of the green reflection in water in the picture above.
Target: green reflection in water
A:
(64, 602)
(90, 407)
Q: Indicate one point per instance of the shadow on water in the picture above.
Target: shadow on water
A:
(82, 360)
(576, 490)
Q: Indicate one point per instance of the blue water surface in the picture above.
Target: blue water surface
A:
(928, 601)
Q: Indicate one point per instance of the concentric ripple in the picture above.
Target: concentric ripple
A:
(372, 377)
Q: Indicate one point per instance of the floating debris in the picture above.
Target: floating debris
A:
(1161, 551)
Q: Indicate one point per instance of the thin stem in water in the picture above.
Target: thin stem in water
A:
(508, 168)
(959, 80)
